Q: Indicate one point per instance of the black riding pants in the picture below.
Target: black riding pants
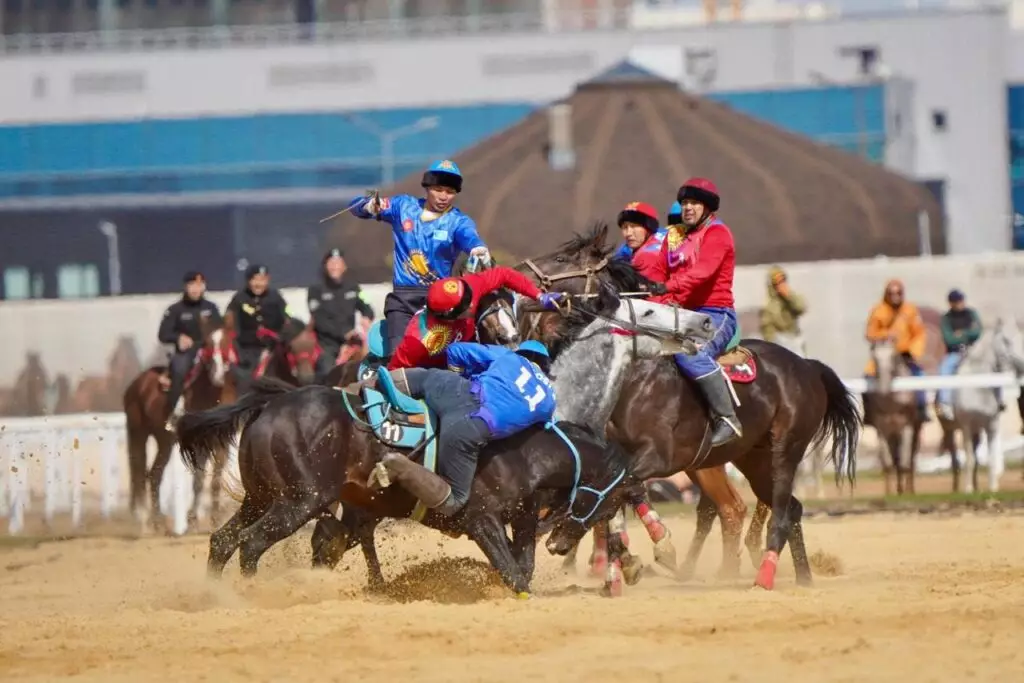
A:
(181, 362)
(460, 437)
(399, 308)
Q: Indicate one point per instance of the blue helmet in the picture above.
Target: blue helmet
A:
(444, 173)
(675, 214)
(534, 346)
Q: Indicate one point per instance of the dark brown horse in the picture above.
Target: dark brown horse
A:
(661, 420)
(301, 449)
(895, 416)
(145, 407)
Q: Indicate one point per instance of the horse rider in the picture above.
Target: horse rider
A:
(642, 238)
(182, 326)
(257, 314)
(896, 319)
(450, 314)
(333, 304)
(429, 234)
(698, 258)
(487, 393)
(780, 317)
(961, 328)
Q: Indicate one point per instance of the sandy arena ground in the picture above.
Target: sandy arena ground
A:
(917, 598)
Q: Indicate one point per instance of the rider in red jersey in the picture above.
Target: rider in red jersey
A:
(697, 266)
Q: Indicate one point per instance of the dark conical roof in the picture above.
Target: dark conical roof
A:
(786, 197)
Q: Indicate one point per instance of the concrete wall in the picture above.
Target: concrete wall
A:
(77, 338)
(967, 83)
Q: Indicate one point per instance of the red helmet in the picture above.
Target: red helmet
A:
(640, 213)
(449, 297)
(701, 190)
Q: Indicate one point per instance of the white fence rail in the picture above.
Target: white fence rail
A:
(78, 465)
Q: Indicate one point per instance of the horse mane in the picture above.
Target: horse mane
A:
(624, 277)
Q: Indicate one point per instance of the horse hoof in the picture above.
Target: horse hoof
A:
(686, 572)
(665, 554)
(632, 569)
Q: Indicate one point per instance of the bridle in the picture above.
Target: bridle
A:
(497, 306)
(589, 272)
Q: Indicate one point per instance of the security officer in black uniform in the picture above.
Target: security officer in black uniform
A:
(182, 327)
(332, 305)
(256, 306)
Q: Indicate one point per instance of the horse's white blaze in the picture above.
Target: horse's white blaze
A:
(508, 326)
(219, 367)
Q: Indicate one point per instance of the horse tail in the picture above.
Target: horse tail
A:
(842, 422)
(216, 428)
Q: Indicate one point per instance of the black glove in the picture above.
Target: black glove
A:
(657, 288)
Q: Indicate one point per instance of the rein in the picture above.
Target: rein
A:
(599, 495)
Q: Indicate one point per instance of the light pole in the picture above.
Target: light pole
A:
(387, 140)
(109, 231)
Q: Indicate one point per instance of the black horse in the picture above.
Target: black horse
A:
(661, 418)
(301, 451)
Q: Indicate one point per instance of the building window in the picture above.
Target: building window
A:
(78, 281)
(17, 283)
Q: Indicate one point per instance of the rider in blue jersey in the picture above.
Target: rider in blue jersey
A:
(488, 392)
(430, 233)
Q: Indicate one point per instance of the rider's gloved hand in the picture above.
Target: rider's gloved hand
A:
(657, 288)
(482, 256)
(549, 300)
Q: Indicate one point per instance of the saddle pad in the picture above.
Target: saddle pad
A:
(377, 338)
(739, 365)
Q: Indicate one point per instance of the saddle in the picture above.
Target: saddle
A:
(738, 361)
(397, 420)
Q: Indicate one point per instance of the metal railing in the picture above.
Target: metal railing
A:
(547, 20)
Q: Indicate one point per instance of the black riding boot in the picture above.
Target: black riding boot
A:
(430, 489)
(725, 426)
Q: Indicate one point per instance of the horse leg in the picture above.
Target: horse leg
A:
(156, 474)
(970, 458)
(374, 575)
(524, 538)
(664, 550)
(780, 474)
(330, 540)
(225, 540)
(756, 532)
(894, 444)
(630, 564)
(911, 444)
(569, 563)
(282, 519)
(996, 463)
(885, 461)
(731, 510)
(613, 576)
(198, 479)
(975, 443)
(599, 555)
(706, 513)
(489, 533)
(949, 445)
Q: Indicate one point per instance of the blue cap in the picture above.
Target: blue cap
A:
(534, 346)
(444, 173)
(955, 295)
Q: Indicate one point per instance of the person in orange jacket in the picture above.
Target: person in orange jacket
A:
(898, 319)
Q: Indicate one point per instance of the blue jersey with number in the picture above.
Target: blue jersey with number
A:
(425, 248)
(514, 394)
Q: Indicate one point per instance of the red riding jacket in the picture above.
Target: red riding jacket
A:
(697, 267)
(427, 336)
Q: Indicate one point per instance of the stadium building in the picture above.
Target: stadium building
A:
(141, 138)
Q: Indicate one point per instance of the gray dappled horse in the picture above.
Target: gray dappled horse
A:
(976, 409)
(895, 416)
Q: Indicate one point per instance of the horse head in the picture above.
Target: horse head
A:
(888, 362)
(496, 320)
(301, 351)
(1008, 346)
(217, 350)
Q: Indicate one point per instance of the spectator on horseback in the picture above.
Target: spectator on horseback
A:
(181, 326)
(255, 317)
(780, 318)
(898, 320)
(487, 393)
(430, 233)
(961, 328)
(642, 238)
(697, 261)
(450, 314)
(333, 304)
